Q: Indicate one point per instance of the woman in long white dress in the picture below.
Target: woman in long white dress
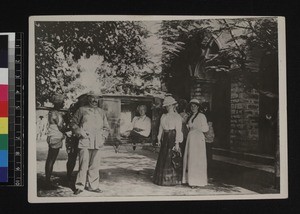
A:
(194, 159)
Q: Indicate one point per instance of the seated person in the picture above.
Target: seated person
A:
(141, 126)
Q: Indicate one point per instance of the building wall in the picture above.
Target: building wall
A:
(244, 113)
(244, 118)
(202, 91)
(244, 130)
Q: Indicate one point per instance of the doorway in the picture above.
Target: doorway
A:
(221, 92)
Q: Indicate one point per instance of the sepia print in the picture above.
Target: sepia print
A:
(151, 108)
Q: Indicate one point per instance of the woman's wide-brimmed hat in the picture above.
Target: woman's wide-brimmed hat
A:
(57, 98)
(195, 101)
(90, 93)
(169, 101)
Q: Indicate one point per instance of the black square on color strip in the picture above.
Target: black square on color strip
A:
(18, 82)
(18, 120)
(3, 51)
(17, 51)
(17, 67)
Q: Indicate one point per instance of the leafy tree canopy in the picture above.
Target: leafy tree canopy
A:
(59, 47)
(192, 43)
(116, 57)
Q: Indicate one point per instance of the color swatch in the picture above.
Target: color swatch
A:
(3, 108)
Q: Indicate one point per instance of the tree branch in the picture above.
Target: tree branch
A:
(234, 40)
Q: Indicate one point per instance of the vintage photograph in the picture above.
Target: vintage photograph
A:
(156, 108)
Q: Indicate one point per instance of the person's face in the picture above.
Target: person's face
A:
(93, 100)
(142, 110)
(194, 107)
(59, 105)
(170, 108)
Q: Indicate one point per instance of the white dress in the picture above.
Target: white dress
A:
(194, 159)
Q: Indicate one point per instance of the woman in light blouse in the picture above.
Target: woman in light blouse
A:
(167, 172)
(194, 159)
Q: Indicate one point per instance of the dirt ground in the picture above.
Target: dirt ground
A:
(127, 173)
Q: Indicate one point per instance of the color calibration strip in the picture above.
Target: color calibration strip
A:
(11, 110)
(4, 108)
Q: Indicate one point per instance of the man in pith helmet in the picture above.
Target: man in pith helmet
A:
(90, 124)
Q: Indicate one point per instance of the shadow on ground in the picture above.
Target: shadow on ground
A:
(130, 173)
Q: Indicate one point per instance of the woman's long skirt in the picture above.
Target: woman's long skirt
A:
(166, 172)
(194, 160)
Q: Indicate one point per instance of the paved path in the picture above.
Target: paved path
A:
(127, 173)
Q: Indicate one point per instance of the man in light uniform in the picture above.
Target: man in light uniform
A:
(90, 124)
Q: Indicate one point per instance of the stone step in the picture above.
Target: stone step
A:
(249, 164)
(245, 156)
(247, 174)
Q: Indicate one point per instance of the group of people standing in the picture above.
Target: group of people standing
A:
(85, 128)
(182, 157)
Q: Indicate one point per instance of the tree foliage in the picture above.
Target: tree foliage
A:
(247, 36)
(126, 66)
(191, 42)
(60, 45)
(184, 37)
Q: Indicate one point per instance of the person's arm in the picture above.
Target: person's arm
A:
(133, 123)
(106, 128)
(202, 123)
(160, 130)
(178, 128)
(62, 126)
(74, 124)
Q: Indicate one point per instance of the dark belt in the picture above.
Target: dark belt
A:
(169, 130)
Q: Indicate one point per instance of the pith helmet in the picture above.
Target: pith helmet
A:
(169, 101)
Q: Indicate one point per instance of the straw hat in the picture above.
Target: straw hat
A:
(195, 101)
(92, 93)
(169, 101)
